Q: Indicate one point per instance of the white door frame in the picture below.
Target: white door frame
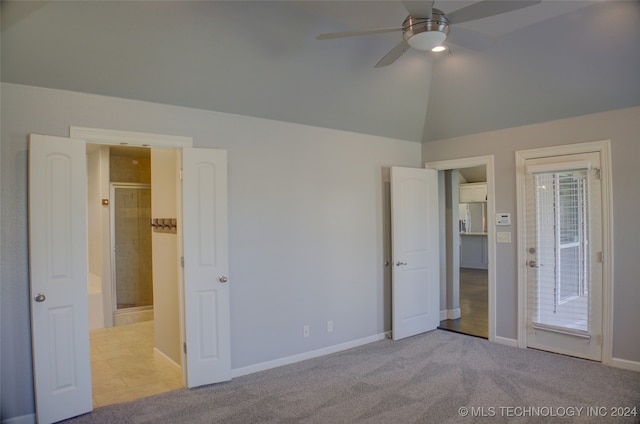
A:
(487, 161)
(602, 147)
(136, 139)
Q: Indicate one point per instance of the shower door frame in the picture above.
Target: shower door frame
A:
(112, 235)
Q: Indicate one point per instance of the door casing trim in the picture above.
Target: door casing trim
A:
(148, 140)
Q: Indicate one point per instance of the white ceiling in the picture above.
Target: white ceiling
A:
(260, 58)
(362, 14)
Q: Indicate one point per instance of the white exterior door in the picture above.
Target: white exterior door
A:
(564, 273)
(58, 271)
(205, 250)
(415, 252)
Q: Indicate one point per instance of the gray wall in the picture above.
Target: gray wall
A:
(622, 127)
(305, 223)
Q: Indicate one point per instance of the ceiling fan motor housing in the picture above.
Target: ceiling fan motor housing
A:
(426, 33)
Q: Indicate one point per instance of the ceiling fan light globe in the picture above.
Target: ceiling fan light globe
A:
(427, 40)
(425, 33)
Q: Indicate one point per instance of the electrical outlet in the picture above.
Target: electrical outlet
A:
(329, 326)
(305, 331)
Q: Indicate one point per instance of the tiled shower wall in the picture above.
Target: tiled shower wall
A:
(125, 169)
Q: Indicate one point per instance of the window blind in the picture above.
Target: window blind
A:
(558, 292)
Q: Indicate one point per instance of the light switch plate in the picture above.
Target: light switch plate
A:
(503, 237)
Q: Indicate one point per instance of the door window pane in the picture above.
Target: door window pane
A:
(561, 295)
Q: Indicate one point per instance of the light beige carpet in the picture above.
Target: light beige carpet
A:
(436, 377)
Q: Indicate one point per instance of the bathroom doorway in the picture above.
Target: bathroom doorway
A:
(203, 183)
(130, 359)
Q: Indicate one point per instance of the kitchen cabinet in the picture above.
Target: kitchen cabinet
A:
(473, 192)
(474, 250)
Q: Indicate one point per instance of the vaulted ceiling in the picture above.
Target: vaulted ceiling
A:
(260, 58)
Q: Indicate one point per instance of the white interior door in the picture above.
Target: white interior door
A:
(415, 267)
(58, 273)
(205, 250)
(564, 270)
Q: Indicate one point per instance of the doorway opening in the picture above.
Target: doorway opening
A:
(128, 359)
(467, 285)
(197, 249)
(467, 261)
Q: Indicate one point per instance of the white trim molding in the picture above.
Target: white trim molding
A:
(603, 147)
(450, 314)
(22, 419)
(128, 138)
(506, 341)
(454, 313)
(625, 364)
(263, 366)
(487, 161)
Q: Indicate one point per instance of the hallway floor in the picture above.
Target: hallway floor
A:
(125, 366)
(474, 305)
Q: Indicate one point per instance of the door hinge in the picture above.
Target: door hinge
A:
(180, 174)
(182, 261)
(600, 257)
(184, 347)
(598, 172)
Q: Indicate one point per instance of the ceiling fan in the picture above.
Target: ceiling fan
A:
(427, 27)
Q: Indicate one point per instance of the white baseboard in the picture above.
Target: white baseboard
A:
(23, 419)
(505, 341)
(238, 372)
(450, 314)
(174, 363)
(625, 364)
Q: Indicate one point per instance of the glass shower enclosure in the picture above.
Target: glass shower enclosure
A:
(131, 247)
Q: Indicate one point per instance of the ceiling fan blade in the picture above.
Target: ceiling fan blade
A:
(393, 54)
(486, 8)
(356, 33)
(470, 39)
(418, 9)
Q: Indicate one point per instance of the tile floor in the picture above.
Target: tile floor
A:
(125, 367)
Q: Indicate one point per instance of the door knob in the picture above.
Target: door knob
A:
(39, 297)
(532, 264)
(223, 279)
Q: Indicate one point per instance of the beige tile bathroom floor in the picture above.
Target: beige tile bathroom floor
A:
(125, 366)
